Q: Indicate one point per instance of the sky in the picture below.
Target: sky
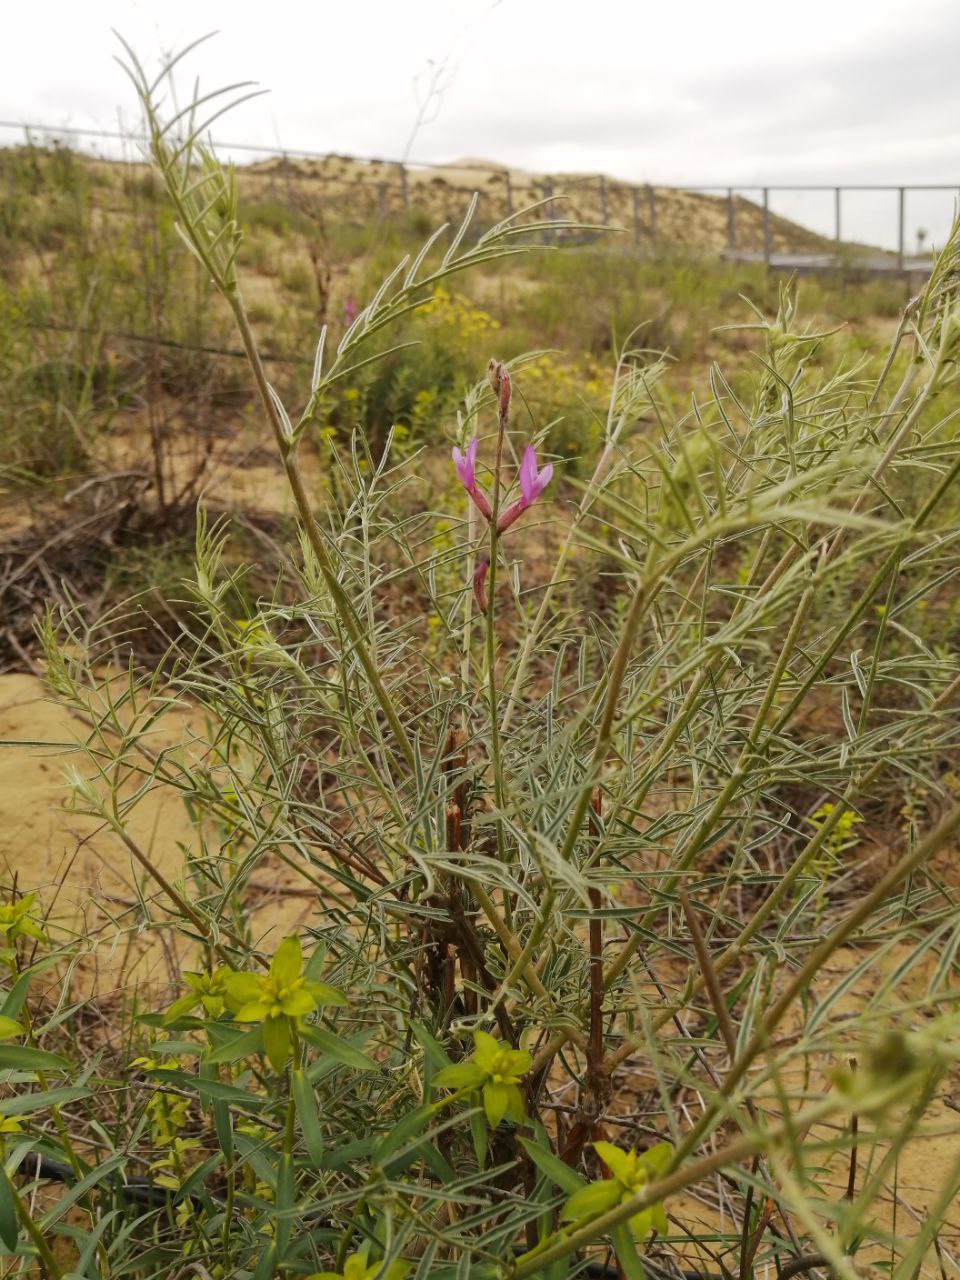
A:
(687, 93)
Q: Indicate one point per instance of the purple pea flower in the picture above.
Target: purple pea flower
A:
(465, 465)
(532, 484)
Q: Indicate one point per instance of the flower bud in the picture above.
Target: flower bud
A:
(480, 585)
(500, 382)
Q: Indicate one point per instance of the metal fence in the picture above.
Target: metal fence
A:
(903, 260)
(392, 185)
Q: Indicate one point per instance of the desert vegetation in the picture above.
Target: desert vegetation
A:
(518, 682)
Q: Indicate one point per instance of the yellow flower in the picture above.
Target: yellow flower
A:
(209, 990)
(358, 1267)
(631, 1172)
(494, 1070)
(278, 999)
(16, 920)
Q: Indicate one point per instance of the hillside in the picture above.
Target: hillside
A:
(682, 219)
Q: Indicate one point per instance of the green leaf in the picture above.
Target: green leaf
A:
(323, 993)
(462, 1075)
(187, 1022)
(647, 1220)
(283, 1217)
(8, 1212)
(299, 1003)
(253, 1153)
(487, 1050)
(560, 1174)
(656, 1158)
(223, 1124)
(658, 1219)
(592, 1200)
(276, 1041)
(347, 1156)
(619, 1162)
(26, 1103)
(91, 1241)
(17, 995)
(186, 1004)
(405, 1129)
(9, 1028)
(267, 1265)
(254, 1011)
(496, 1100)
(517, 1062)
(287, 961)
(195, 1181)
(210, 1091)
(243, 1044)
(242, 988)
(313, 969)
(478, 1132)
(338, 1048)
(515, 1110)
(20, 1057)
(626, 1251)
(305, 1101)
(74, 1194)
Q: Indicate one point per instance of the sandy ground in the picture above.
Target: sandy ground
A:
(87, 879)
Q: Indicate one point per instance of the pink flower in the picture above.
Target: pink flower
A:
(465, 465)
(532, 481)
(532, 484)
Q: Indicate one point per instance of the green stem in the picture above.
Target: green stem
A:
(496, 757)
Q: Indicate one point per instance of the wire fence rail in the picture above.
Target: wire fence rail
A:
(752, 232)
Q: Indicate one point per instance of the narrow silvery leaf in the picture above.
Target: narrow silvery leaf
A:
(318, 362)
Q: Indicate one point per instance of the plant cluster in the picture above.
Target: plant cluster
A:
(564, 849)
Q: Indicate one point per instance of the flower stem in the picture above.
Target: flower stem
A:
(496, 757)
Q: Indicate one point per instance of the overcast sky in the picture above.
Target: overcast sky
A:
(692, 92)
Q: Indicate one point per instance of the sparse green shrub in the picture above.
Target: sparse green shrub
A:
(546, 845)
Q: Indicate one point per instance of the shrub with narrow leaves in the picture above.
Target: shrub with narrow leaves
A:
(557, 794)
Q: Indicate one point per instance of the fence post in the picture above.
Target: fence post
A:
(635, 201)
(731, 224)
(603, 201)
(403, 184)
(509, 185)
(901, 227)
(766, 225)
(381, 200)
(652, 214)
(836, 215)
